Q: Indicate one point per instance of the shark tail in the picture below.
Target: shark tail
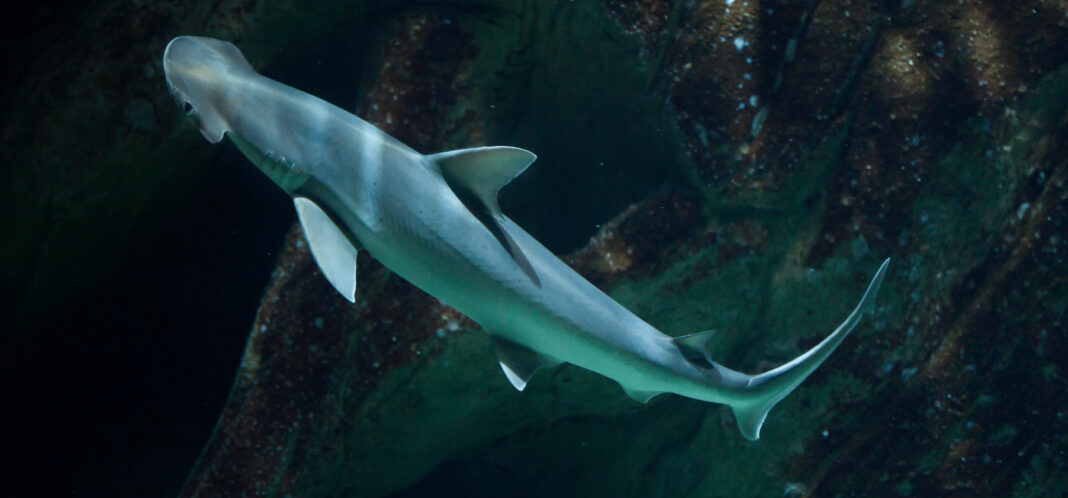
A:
(766, 389)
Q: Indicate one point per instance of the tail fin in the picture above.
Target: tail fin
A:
(771, 386)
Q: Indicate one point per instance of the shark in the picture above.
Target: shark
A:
(435, 221)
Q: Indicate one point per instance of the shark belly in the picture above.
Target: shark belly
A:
(435, 243)
(398, 208)
(412, 221)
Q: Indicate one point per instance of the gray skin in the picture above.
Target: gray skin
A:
(434, 220)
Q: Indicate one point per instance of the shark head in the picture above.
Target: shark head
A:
(197, 70)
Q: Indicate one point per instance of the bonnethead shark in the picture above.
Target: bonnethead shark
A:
(435, 221)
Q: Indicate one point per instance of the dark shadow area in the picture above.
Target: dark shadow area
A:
(124, 387)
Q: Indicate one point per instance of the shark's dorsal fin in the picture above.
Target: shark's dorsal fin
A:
(482, 171)
(333, 251)
(519, 362)
(694, 347)
(475, 175)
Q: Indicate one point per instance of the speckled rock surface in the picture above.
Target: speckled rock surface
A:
(817, 139)
(735, 165)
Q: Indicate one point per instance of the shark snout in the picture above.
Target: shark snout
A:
(197, 69)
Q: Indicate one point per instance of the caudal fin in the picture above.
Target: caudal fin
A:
(771, 386)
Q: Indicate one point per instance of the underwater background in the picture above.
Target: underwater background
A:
(739, 165)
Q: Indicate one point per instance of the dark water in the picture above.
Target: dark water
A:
(122, 385)
(752, 162)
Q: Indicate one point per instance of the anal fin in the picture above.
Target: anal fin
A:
(519, 362)
(639, 395)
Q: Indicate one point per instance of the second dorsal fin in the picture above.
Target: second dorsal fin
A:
(694, 347)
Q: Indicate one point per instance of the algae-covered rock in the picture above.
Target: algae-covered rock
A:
(735, 165)
(802, 169)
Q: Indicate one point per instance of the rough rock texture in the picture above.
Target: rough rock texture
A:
(741, 165)
(820, 138)
(323, 382)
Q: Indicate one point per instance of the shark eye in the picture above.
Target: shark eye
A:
(187, 108)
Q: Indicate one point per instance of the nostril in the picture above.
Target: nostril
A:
(187, 108)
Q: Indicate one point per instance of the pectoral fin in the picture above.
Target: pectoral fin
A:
(519, 362)
(333, 251)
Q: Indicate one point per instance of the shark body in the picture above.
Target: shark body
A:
(435, 221)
